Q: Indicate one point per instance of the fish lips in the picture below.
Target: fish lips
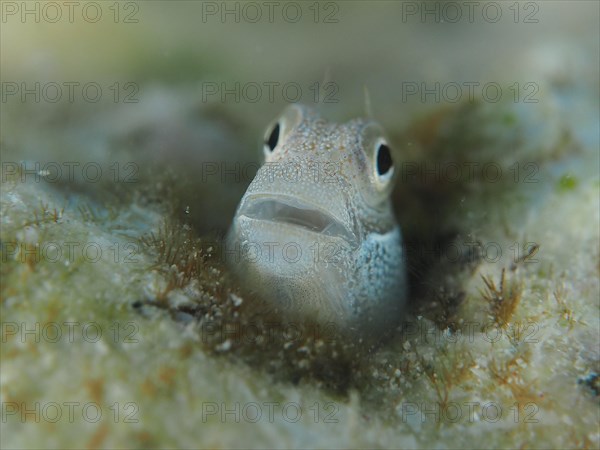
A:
(289, 212)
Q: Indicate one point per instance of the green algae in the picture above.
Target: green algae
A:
(567, 183)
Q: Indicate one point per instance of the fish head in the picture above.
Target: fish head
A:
(328, 181)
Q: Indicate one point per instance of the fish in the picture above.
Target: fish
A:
(315, 234)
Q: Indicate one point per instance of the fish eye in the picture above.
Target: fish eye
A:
(279, 130)
(273, 139)
(384, 165)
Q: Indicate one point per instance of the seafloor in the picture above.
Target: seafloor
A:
(114, 293)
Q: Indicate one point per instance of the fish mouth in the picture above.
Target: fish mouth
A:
(293, 212)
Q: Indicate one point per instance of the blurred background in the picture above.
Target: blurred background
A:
(182, 82)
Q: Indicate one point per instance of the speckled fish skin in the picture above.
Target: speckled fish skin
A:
(315, 231)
